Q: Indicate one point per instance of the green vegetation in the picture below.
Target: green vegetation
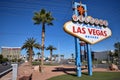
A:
(45, 18)
(35, 63)
(115, 55)
(51, 48)
(51, 64)
(96, 76)
(29, 44)
(2, 59)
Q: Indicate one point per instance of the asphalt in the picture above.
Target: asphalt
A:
(4, 67)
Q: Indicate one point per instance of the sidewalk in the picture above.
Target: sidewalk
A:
(24, 70)
(7, 76)
(49, 71)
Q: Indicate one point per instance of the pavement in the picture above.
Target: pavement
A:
(24, 70)
(7, 76)
(49, 71)
(4, 67)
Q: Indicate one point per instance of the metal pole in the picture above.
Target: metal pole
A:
(77, 47)
(77, 44)
(78, 60)
(89, 60)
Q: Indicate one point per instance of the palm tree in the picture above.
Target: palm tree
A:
(111, 54)
(55, 56)
(38, 55)
(72, 56)
(33, 54)
(29, 44)
(62, 56)
(51, 48)
(28, 55)
(117, 49)
(43, 18)
(117, 53)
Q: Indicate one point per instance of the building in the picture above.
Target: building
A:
(103, 55)
(11, 52)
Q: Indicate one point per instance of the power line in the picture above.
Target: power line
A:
(33, 4)
(30, 8)
(25, 7)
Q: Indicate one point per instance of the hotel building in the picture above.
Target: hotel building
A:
(11, 52)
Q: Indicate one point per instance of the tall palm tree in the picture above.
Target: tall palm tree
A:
(51, 48)
(29, 44)
(43, 18)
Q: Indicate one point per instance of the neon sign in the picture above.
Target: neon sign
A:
(87, 28)
(90, 20)
(87, 33)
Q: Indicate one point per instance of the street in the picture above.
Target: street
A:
(3, 68)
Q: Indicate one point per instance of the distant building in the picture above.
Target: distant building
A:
(11, 52)
(103, 55)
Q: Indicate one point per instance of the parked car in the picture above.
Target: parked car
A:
(5, 63)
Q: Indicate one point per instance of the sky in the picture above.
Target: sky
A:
(16, 24)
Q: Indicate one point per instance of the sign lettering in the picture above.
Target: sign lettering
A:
(87, 28)
(90, 34)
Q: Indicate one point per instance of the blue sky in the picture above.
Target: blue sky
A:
(16, 24)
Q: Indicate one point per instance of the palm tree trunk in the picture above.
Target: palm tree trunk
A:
(42, 53)
(30, 57)
(50, 56)
(38, 57)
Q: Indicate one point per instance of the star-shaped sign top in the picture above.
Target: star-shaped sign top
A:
(80, 9)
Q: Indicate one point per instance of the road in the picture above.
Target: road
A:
(4, 67)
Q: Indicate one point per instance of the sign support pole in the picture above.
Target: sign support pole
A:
(89, 60)
(77, 48)
(78, 60)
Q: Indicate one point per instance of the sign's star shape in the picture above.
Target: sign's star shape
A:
(81, 10)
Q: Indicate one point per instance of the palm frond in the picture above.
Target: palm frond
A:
(43, 17)
(30, 43)
(50, 47)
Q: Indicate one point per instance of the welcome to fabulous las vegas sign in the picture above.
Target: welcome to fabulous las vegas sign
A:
(88, 29)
